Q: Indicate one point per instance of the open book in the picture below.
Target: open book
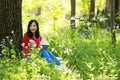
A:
(44, 43)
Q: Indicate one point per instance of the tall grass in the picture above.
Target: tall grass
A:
(88, 57)
(92, 55)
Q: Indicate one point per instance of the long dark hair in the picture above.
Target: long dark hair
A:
(29, 33)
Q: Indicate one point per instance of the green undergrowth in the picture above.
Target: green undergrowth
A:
(90, 56)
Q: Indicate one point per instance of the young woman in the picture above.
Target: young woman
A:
(32, 37)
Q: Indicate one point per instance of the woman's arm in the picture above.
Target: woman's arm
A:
(25, 47)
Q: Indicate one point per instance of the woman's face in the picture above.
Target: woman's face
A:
(33, 27)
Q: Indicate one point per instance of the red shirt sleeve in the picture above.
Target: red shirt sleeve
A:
(38, 41)
(25, 41)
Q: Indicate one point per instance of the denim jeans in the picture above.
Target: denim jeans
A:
(49, 57)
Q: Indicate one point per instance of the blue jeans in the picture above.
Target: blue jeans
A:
(49, 56)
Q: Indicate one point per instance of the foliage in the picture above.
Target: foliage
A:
(94, 57)
(55, 13)
(33, 68)
(51, 15)
(86, 52)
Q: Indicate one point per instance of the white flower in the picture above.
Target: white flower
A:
(3, 41)
(1, 45)
(0, 54)
(103, 19)
(78, 75)
(12, 32)
(7, 37)
(23, 44)
(42, 75)
(117, 26)
(66, 51)
(93, 18)
(11, 40)
(73, 23)
(70, 50)
(61, 46)
(41, 47)
(100, 75)
(52, 49)
(104, 52)
(100, 49)
(2, 51)
(72, 18)
(33, 64)
(37, 75)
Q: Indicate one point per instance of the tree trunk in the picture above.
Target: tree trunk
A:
(116, 6)
(108, 5)
(112, 21)
(38, 11)
(92, 9)
(73, 7)
(11, 22)
(116, 11)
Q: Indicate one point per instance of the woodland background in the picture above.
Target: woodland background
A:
(83, 34)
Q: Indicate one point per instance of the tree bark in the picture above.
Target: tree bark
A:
(108, 4)
(11, 21)
(92, 9)
(112, 21)
(116, 6)
(73, 9)
(38, 11)
(116, 11)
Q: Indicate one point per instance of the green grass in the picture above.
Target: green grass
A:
(88, 57)
(92, 55)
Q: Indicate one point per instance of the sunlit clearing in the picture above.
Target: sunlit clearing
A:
(46, 29)
(29, 1)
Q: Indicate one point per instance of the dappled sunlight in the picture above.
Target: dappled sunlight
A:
(118, 39)
(46, 29)
(82, 45)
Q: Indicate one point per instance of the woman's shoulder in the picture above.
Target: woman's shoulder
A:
(25, 35)
(40, 37)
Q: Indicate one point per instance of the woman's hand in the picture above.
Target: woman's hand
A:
(30, 45)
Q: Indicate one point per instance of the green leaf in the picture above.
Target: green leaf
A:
(12, 51)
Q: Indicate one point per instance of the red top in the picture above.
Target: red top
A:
(26, 39)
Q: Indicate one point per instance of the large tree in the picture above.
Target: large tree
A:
(112, 21)
(73, 9)
(117, 11)
(116, 6)
(92, 9)
(11, 21)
